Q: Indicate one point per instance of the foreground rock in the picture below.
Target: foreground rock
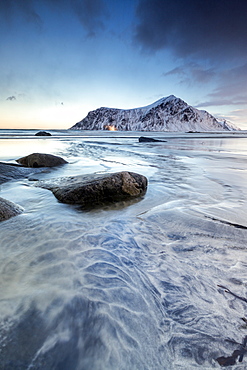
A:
(8, 209)
(94, 190)
(41, 160)
(43, 133)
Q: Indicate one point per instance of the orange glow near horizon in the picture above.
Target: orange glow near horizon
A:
(39, 117)
(110, 128)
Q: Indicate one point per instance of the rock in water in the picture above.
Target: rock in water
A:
(41, 160)
(144, 139)
(14, 171)
(42, 133)
(8, 209)
(97, 191)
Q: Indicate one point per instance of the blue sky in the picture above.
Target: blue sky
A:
(63, 58)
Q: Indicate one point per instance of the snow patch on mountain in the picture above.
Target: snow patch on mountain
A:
(166, 114)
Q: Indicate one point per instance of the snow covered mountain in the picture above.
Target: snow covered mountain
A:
(166, 114)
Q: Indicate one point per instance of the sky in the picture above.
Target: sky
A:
(60, 59)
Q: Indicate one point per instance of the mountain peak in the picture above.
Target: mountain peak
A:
(159, 102)
(166, 114)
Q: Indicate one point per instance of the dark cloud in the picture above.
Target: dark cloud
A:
(90, 13)
(10, 8)
(213, 29)
(11, 98)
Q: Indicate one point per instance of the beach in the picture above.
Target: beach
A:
(158, 282)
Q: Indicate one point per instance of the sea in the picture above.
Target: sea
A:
(155, 283)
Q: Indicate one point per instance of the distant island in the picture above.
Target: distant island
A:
(166, 114)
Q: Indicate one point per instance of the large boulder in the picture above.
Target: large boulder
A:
(8, 209)
(41, 160)
(92, 191)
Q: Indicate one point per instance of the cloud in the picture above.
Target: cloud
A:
(9, 8)
(212, 29)
(177, 71)
(207, 40)
(11, 98)
(221, 102)
(192, 72)
(228, 86)
(231, 88)
(238, 116)
(90, 13)
(232, 82)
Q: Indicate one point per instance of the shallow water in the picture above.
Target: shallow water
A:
(135, 285)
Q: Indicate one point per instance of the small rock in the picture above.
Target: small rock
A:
(98, 190)
(41, 160)
(144, 139)
(8, 209)
(43, 133)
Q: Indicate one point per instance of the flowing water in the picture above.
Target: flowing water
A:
(155, 283)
